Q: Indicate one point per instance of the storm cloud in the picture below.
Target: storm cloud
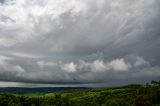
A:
(79, 41)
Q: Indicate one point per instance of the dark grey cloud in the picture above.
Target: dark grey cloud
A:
(2, 1)
(78, 42)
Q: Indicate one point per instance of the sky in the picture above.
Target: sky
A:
(79, 42)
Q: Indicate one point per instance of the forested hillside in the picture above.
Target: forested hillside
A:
(131, 95)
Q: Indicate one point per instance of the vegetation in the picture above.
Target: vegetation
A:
(131, 95)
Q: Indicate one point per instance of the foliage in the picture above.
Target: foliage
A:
(131, 95)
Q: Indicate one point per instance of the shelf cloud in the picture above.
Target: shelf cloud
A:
(79, 41)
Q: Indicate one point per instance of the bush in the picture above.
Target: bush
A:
(142, 100)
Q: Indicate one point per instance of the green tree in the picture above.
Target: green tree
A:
(58, 100)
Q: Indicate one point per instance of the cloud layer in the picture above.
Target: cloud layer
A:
(79, 41)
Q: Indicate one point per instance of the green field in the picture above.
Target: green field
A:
(131, 95)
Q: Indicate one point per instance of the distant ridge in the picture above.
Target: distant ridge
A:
(38, 89)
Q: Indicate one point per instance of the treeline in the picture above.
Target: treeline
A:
(155, 82)
(131, 95)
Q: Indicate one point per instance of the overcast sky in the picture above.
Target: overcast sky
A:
(73, 42)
